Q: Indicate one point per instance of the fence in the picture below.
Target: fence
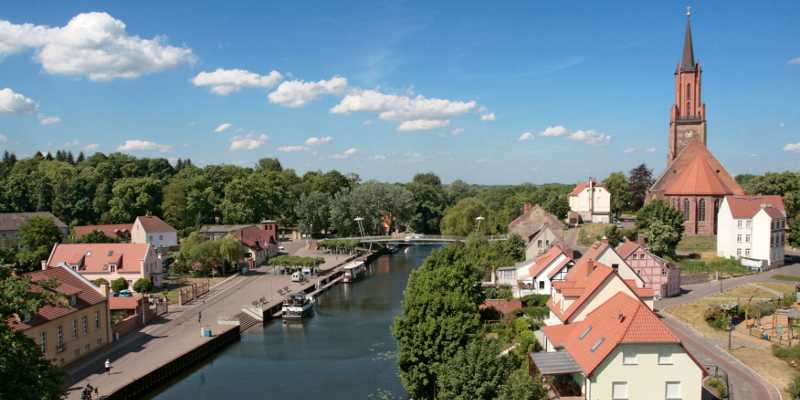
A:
(187, 295)
(134, 321)
(144, 383)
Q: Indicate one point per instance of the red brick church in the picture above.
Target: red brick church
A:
(694, 182)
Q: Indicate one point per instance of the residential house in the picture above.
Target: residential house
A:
(109, 261)
(658, 273)
(259, 242)
(9, 224)
(602, 252)
(68, 333)
(592, 201)
(621, 350)
(753, 229)
(214, 232)
(532, 220)
(540, 241)
(119, 231)
(151, 229)
(536, 276)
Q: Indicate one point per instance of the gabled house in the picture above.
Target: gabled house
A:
(9, 224)
(753, 229)
(119, 231)
(109, 261)
(536, 276)
(620, 350)
(591, 201)
(151, 229)
(259, 243)
(540, 241)
(67, 333)
(532, 220)
(658, 273)
(602, 252)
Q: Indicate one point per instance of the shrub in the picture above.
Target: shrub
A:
(794, 387)
(779, 351)
(98, 281)
(143, 285)
(117, 316)
(535, 313)
(119, 284)
(535, 300)
(521, 325)
(528, 342)
(722, 391)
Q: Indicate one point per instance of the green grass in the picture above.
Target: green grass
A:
(589, 232)
(791, 278)
(696, 266)
(697, 243)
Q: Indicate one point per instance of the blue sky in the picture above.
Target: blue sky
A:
(389, 89)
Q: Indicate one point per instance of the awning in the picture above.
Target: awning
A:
(555, 363)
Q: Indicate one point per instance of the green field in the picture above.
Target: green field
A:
(589, 232)
(697, 243)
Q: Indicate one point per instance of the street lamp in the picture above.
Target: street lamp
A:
(480, 218)
(360, 225)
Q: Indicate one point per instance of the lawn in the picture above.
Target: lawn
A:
(787, 289)
(697, 243)
(695, 266)
(692, 314)
(745, 291)
(791, 278)
(770, 367)
(589, 233)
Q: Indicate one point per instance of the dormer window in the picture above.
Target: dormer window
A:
(73, 299)
(113, 267)
(26, 317)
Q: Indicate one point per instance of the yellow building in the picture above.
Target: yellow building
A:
(68, 333)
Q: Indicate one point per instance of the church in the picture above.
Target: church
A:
(694, 182)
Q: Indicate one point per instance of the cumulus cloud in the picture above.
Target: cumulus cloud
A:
(589, 138)
(795, 147)
(248, 142)
(91, 147)
(650, 150)
(454, 132)
(525, 136)
(222, 127)
(626, 151)
(93, 44)
(186, 145)
(554, 131)
(346, 154)
(781, 125)
(139, 145)
(48, 120)
(753, 155)
(398, 108)
(313, 141)
(288, 149)
(411, 158)
(368, 122)
(298, 93)
(488, 117)
(423, 124)
(223, 81)
(15, 103)
(76, 143)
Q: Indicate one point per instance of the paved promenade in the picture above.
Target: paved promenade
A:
(178, 331)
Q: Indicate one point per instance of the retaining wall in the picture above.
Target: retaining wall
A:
(694, 278)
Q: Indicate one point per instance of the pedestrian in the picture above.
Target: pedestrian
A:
(108, 367)
(97, 391)
(199, 315)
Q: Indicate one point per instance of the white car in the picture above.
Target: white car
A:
(281, 248)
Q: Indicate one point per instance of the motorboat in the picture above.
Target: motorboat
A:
(392, 248)
(354, 272)
(297, 306)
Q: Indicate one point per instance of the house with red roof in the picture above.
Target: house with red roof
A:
(9, 224)
(532, 220)
(67, 333)
(753, 229)
(658, 273)
(536, 276)
(259, 242)
(110, 261)
(620, 350)
(602, 252)
(119, 231)
(591, 201)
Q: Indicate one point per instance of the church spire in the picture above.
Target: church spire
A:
(688, 53)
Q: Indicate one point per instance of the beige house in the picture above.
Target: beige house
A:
(591, 201)
(9, 224)
(539, 242)
(110, 261)
(66, 334)
(602, 252)
(151, 229)
(532, 220)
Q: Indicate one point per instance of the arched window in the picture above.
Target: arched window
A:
(685, 209)
(701, 210)
(689, 108)
(675, 203)
(688, 91)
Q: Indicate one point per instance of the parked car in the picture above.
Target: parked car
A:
(125, 293)
(787, 258)
(298, 277)
(281, 248)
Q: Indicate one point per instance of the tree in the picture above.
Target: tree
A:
(460, 220)
(662, 238)
(266, 165)
(474, 372)
(661, 225)
(24, 372)
(119, 284)
(133, 197)
(773, 183)
(99, 281)
(230, 249)
(313, 210)
(794, 236)
(429, 179)
(175, 205)
(557, 204)
(8, 251)
(142, 285)
(38, 234)
(430, 203)
(520, 386)
(96, 236)
(639, 182)
(619, 187)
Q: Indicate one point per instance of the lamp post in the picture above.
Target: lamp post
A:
(360, 225)
(480, 218)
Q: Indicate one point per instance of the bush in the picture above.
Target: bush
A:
(500, 292)
(794, 387)
(535, 313)
(722, 390)
(528, 342)
(521, 325)
(535, 300)
(117, 316)
(119, 284)
(143, 285)
(98, 281)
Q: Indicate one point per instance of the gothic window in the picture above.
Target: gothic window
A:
(685, 209)
(688, 91)
(674, 203)
(701, 212)
(688, 108)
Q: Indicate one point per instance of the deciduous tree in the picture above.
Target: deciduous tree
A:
(38, 234)
(619, 187)
(474, 372)
(460, 220)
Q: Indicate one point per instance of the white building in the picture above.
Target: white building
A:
(536, 275)
(591, 201)
(752, 229)
(151, 229)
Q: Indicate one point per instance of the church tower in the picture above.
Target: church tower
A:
(688, 114)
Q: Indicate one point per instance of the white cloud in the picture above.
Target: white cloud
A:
(589, 138)
(249, 142)
(313, 141)
(488, 117)
(525, 136)
(288, 149)
(139, 145)
(186, 145)
(91, 147)
(76, 143)
(222, 127)
(650, 150)
(628, 151)
(48, 120)
(792, 147)
(223, 81)
(240, 130)
(781, 125)
(423, 124)
(3, 139)
(534, 168)
(193, 124)
(400, 108)
(454, 132)
(15, 103)
(377, 158)
(753, 155)
(314, 153)
(368, 122)
(93, 44)
(484, 159)
(795, 61)
(346, 154)
(554, 131)
(298, 93)
(411, 158)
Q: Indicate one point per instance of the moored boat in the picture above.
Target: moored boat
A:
(297, 306)
(354, 272)
(392, 248)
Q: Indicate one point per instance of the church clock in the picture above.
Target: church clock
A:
(688, 134)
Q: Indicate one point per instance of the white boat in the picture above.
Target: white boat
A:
(354, 272)
(297, 306)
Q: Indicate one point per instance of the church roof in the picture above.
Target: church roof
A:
(698, 178)
(682, 161)
(687, 64)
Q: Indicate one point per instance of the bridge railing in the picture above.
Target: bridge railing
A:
(418, 238)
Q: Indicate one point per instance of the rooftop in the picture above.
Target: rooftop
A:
(11, 221)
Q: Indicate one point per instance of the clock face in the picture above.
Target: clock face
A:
(688, 134)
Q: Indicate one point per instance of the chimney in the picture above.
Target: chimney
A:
(537, 205)
(640, 240)
(527, 207)
(44, 265)
(766, 205)
(759, 196)
(104, 289)
(604, 240)
(589, 267)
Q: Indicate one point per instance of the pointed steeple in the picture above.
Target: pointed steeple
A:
(688, 54)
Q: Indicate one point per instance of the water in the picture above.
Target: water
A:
(345, 351)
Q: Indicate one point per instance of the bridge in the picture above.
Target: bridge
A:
(418, 238)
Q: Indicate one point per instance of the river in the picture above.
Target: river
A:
(345, 351)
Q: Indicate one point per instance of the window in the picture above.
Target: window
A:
(151, 239)
(688, 91)
(641, 256)
(738, 252)
(619, 390)
(59, 339)
(26, 317)
(629, 355)
(596, 345)
(73, 299)
(664, 355)
(747, 252)
(85, 325)
(585, 332)
(615, 267)
(74, 328)
(701, 211)
(685, 209)
(747, 238)
(673, 390)
(740, 224)
(541, 285)
(749, 224)
(86, 348)
(739, 238)
(99, 341)
(634, 256)
(43, 341)
(664, 272)
(77, 352)
(540, 243)
(160, 237)
(97, 320)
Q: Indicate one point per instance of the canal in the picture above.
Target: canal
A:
(345, 351)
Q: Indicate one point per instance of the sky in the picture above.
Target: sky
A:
(489, 93)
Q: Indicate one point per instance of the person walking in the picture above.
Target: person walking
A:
(199, 315)
(108, 366)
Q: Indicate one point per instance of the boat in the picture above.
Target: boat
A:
(297, 306)
(354, 272)
(392, 248)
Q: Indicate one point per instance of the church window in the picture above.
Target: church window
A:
(688, 108)
(702, 210)
(688, 91)
(685, 209)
